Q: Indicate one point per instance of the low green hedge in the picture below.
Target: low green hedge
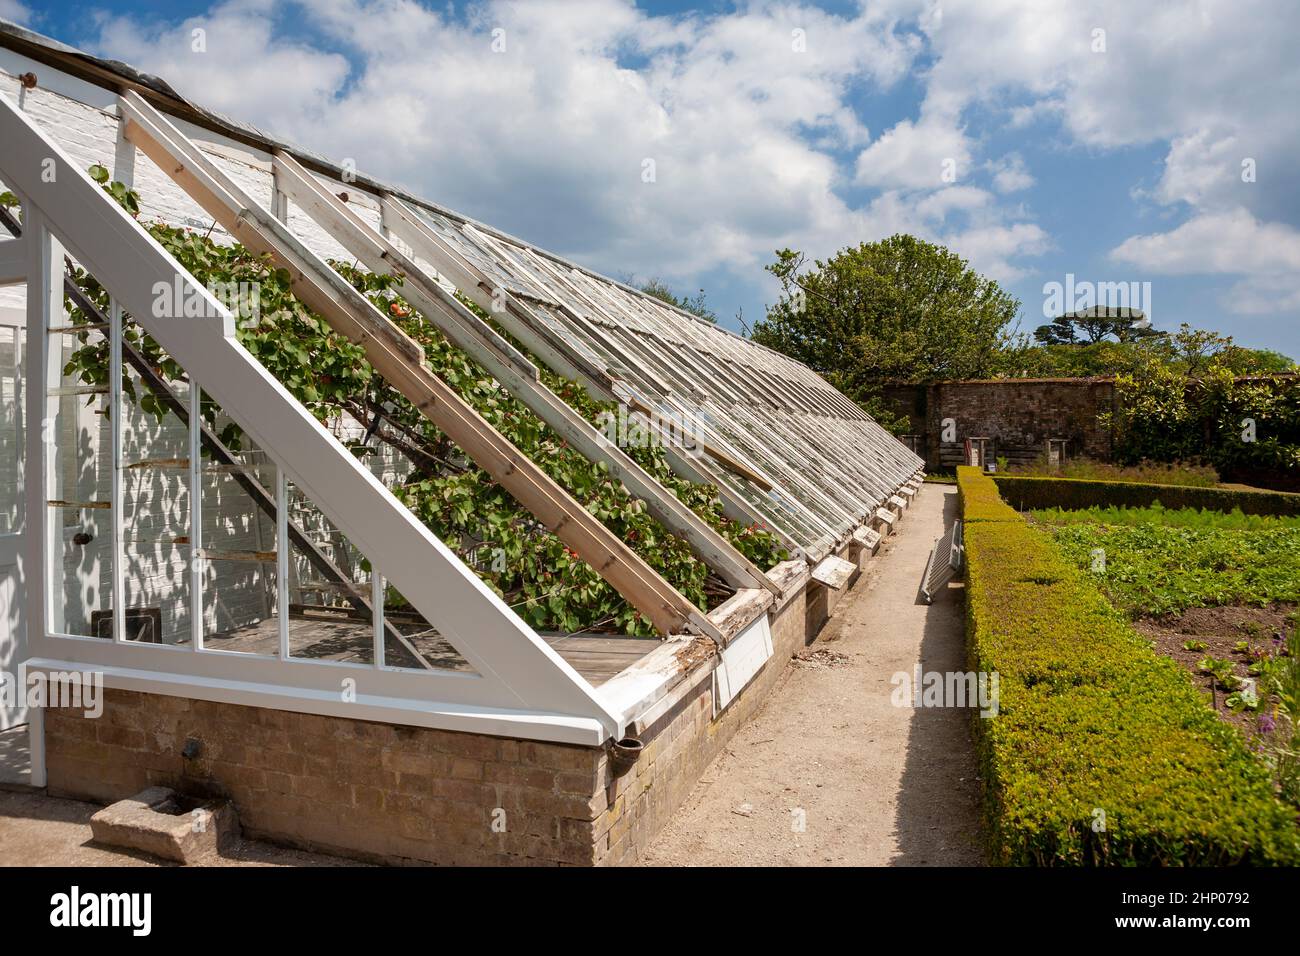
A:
(1026, 493)
(1091, 719)
(979, 497)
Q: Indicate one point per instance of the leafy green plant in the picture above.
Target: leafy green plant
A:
(1073, 494)
(1281, 678)
(1221, 669)
(1158, 514)
(1194, 645)
(1187, 474)
(1159, 571)
(126, 197)
(1205, 408)
(979, 498)
(1243, 699)
(900, 309)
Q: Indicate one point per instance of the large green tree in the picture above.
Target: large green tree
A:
(901, 309)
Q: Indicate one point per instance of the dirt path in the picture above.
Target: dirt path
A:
(876, 784)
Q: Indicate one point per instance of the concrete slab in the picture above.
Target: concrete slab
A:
(868, 538)
(885, 520)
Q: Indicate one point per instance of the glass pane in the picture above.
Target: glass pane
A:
(329, 589)
(78, 457)
(12, 341)
(238, 550)
(416, 634)
(155, 511)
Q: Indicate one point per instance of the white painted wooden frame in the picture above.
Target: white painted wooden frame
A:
(510, 368)
(821, 494)
(521, 688)
(404, 221)
(13, 261)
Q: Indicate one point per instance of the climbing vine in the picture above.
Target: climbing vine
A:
(546, 583)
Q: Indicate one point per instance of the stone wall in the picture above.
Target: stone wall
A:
(1019, 415)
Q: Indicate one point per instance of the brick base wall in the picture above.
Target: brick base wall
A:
(397, 794)
(370, 790)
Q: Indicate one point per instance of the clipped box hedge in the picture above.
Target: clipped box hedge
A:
(1026, 493)
(1091, 719)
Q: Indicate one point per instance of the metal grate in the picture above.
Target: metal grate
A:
(945, 561)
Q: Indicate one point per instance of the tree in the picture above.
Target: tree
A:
(1186, 351)
(1097, 324)
(901, 309)
(695, 306)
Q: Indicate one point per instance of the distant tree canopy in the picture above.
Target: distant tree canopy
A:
(901, 309)
(695, 306)
(1186, 351)
(1204, 398)
(906, 310)
(1094, 325)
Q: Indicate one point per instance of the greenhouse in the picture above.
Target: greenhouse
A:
(317, 473)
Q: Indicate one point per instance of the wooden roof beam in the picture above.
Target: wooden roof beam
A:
(400, 361)
(478, 340)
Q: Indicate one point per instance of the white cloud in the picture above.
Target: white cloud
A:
(1010, 174)
(749, 116)
(916, 155)
(1262, 295)
(1232, 242)
(237, 64)
(15, 11)
(739, 113)
(994, 249)
(1211, 78)
(939, 205)
(1199, 169)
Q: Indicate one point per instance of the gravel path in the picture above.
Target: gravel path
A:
(872, 783)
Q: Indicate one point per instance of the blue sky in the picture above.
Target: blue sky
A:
(1101, 139)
